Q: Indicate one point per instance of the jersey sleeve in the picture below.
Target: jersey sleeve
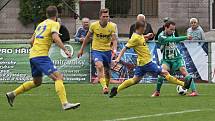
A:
(91, 28)
(131, 43)
(55, 27)
(114, 29)
(162, 39)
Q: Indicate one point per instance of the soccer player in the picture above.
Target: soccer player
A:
(104, 33)
(172, 59)
(144, 62)
(44, 35)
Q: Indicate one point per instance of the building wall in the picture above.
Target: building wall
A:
(9, 22)
(124, 24)
(182, 10)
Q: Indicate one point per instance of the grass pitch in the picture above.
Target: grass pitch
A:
(132, 104)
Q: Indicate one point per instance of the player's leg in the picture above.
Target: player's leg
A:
(101, 75)
(154, 68)
(179, 64)
(174, 80)
(188, 77)
(139, 72)
(57, 77)
(37, 80)
(23, 88)
(161, 79)
(47, 67)
(107, 75)
(107, 55)
(159, 84)
(99, 58)
(125, 84)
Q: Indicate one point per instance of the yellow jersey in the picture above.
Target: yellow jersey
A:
(43, 38)
(138, 43)
(102, 36)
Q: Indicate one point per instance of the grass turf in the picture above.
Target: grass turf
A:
(42, 104)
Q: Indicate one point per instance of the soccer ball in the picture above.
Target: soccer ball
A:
(180, 90)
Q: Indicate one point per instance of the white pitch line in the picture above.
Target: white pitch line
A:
(158, 115)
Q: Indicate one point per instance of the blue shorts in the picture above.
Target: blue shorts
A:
(103, 56)
(150, 67)
(40, 65)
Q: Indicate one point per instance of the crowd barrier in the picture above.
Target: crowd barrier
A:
(199, 57)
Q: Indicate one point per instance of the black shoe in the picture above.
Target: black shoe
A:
(10, 98)
(113, 92)
(188, 83)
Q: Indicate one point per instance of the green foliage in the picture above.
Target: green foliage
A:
(33, 11)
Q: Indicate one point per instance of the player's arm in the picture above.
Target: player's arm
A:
(164, 39)
(121, 54)
(57, 40)
(148, 36)
(131, 43)
(114, 41)
(84, 44)
(32, 39)
(55, 37)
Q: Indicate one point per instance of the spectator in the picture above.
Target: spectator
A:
(163, 28)
(82, 31)
(63, 31)
(148, 27)
(195, 30)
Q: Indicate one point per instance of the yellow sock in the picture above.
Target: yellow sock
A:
(174, 80)
(24, 87)
(107, 80)
(125, 84)
(61, 92)
(103, 82)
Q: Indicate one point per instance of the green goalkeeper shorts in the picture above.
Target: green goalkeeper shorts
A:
(174, 65)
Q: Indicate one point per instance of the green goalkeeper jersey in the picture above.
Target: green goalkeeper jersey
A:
(169, 45)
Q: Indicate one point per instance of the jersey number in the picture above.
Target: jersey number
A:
(40, 30)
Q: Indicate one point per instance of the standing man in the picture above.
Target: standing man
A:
(147, 29)
(171, 58)
(104, 33)
(82, 31)
(44, 35)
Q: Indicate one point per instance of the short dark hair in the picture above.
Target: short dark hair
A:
(139, 24)
(104, 10)
(51, 11)
(168, 23)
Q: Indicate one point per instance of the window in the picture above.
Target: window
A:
(90, 9)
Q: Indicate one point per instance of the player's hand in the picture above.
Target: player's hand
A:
(80, 53)
(116, 61)
(81, 39)
(150, 35)
(68, 53)
(189, 37)
(114, 53)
